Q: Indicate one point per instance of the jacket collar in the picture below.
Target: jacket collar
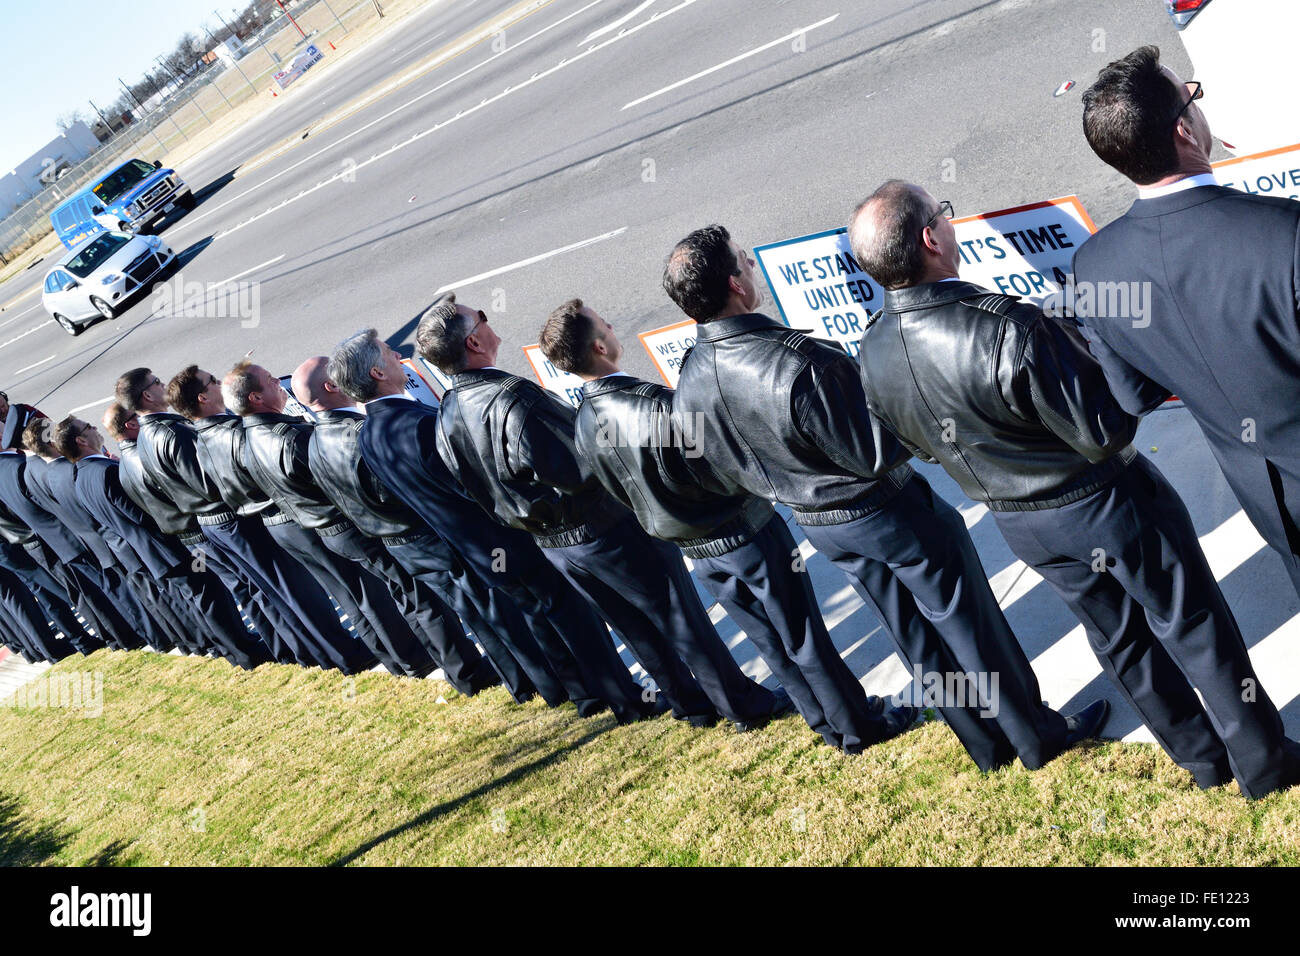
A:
(162, 417)
(930, 294)
(610, 383)
(737, 325)
(270, 418)
(478, 376)
(340, 415)
(217, 421)
(1177, 202)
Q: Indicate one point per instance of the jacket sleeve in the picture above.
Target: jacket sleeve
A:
(434, 442)
(1067, 389)
(180, 450)
(874, 409)
(829, 410)
(547, 452)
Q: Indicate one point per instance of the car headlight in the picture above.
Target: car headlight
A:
(154, 241)
(110, 278)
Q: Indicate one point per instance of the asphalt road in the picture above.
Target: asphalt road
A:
(616, 140)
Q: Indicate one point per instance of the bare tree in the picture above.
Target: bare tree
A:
(65, 121)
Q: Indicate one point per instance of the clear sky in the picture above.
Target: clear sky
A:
(55, 54)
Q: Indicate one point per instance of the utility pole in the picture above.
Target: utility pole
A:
(291, 19)
(233, 61)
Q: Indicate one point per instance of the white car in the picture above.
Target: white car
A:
(97, 277)
(1241, 50)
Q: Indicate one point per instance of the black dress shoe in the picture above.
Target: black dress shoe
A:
(781, 705)
(897, 720)
(1086, 723)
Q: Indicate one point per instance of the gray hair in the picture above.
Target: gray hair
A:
(239, 383)
(350, 364)
(440, 336)
(891, 253)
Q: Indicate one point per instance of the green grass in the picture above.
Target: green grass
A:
(195, 763)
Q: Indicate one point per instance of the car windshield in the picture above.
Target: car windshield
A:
(96, 254)
(122, 179)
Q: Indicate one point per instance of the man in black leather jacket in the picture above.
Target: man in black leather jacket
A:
(212, 593)
(432, 585)
(511, 445)
(783, 416)
(529, 604)
(238, 548)
(350, 565)
(1012, 404)
(741, 549)
(221, 441)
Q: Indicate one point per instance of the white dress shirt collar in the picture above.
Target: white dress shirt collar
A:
(1188, 182)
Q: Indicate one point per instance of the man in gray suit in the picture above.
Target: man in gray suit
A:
(1195, 291)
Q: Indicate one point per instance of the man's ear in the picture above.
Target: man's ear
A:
(1183, 131)
(927, 238)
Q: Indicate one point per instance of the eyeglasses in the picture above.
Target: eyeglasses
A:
(482, 320)
(156, 381)
(1197, 93)
(945, 210)
(212, 380)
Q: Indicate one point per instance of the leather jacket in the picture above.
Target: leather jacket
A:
(141, 488)
(334, 456)
(782, 416)
(221, 450)
(624, 430)
(275, 454)
(511, 446)
(169, 451)
(1008, 400)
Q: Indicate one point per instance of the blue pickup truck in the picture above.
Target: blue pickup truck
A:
(128, 198)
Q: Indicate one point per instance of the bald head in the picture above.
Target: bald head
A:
(899, 238)
(313, 387)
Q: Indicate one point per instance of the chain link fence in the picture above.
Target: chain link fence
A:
(189, 109)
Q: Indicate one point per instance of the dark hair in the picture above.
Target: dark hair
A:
(440, 336)
(697, 272)
(37, 435)
(1129, 116)
(65, 438)
(567, 336)
(183, 392)
(892, 253)
(131, 387)
(115, 418)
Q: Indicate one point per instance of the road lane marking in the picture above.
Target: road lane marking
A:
(411, 102)
(209, 287)
(350, 173)
(532, 259)
(82, 408)
(27, 368)
(613, 26)
(27, 333)
(735, 59)
(18, 316)
(420, 46)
